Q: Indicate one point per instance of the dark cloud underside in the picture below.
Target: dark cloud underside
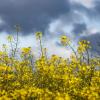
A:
(79, 28)
(35, 15)
(31, 14)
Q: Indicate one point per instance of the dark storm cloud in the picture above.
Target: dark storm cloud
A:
(79, 28)
(97, 6)
(31, 14)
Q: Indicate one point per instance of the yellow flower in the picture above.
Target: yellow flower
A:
(38, 35)
(64, 40)
(10, 38)
(26, 50)
(83, 46)
(5, 46)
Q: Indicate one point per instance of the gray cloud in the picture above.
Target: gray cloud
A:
(92, 13)
(97, 6)
(37, 14)
(31, 14)
(79, 28)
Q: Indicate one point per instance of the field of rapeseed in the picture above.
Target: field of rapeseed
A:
(49, 78)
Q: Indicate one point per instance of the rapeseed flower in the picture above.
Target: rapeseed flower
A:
(49, 78)
(65, 40)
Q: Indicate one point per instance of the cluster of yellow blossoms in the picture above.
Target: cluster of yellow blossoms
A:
(83, 46)
(50, 78)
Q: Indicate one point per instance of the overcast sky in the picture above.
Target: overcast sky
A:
(75, 18)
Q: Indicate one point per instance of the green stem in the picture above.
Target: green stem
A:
(73, 50)
(41, 46)
(88, 57)
(16, 45)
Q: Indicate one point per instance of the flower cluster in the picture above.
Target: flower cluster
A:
(65, 40)
(49, 78)
(83, 46)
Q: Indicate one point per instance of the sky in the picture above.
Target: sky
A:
(78, 19)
